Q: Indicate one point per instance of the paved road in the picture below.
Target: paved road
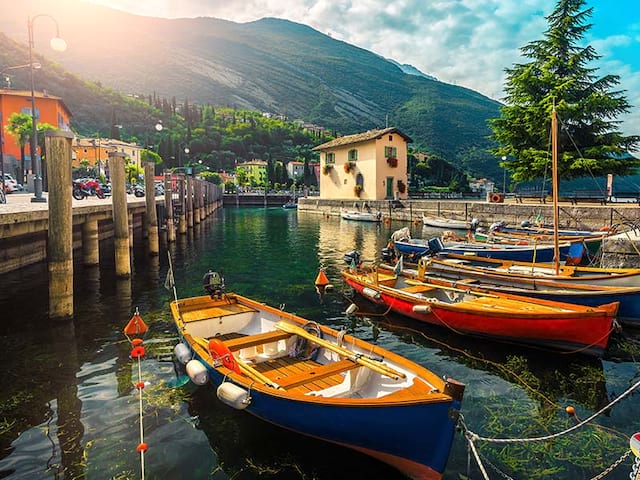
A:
(21, 202)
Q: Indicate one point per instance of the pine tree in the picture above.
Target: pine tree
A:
(558, 73)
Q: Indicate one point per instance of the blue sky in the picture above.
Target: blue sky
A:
(464, 42)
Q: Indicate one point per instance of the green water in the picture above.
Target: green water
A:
(68, 408)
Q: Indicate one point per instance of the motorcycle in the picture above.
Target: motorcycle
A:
(138, 191)
(82, 190)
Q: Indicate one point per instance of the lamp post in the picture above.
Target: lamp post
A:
(504, 176)
(58, 44)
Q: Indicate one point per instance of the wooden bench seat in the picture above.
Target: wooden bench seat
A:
(257, 339)
(540, 195)
(316, 373)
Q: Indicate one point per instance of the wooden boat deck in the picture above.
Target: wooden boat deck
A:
(200, 312)
(303, 376)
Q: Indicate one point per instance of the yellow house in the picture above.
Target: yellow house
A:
(369, 166)
(254, 170)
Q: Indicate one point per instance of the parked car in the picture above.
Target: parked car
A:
(10, 184)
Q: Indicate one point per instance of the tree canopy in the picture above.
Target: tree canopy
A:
(590, 142)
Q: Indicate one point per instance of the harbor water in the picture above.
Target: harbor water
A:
(69, 406)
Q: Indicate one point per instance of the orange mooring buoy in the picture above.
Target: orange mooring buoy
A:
(136, 326)
(321, 279)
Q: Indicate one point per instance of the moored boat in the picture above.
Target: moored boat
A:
(500, 316)
(465, 266)
(558, 291)
(416, 247)
(444, 222)
(361, 216)
(317, 381)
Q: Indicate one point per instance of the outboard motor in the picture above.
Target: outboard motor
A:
(213, 284)
(525, 223)
(435, 245)
(388, 255)
(352, 258)
(474, 224)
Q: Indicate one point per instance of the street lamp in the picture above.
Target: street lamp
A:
(57, 44)
(504, 176)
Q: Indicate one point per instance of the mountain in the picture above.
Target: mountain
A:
(268, 65)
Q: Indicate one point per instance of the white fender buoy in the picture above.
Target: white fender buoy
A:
(371, 293)
(351, 309)
(197, 372)
(421, 309)
(233, 395)
(182, 353)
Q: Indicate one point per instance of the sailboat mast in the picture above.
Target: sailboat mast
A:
(556, 209)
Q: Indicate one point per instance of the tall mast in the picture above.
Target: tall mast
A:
(556, 210)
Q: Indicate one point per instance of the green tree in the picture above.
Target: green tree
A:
(558, 73)
(20, 126)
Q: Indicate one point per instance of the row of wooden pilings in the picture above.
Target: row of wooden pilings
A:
(197, 200)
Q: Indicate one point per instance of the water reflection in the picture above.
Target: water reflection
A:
(76, 380)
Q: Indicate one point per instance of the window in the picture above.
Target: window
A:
(329, 158)
(390, 152)
(352, 155)
(391, 138)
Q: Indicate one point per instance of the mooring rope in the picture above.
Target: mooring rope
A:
(474, 437)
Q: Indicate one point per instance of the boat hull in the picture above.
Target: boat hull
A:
(361, 216)
(459, 266)
(584, 333)
(538, 253)
(411, 428)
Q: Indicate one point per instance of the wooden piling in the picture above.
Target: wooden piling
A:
(151, 214)
(189, 201)
(196, 201)
(120, 215)
(90, 242)
(182, 221)
(171, 228)
(60, 232)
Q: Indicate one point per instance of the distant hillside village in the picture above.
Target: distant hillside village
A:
(371, 165)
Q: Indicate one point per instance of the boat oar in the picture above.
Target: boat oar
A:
(248, 370)
(345, 352)
(455, 289)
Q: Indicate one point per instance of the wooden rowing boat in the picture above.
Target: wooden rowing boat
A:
(465, 266)
(319, 382)
(501, 316)
(444, 222)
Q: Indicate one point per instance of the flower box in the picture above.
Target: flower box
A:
(392, 162)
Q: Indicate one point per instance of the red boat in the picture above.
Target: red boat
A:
(501, 316)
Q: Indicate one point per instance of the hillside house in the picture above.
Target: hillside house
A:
(367, 166)
(295, 170)
(255, 171)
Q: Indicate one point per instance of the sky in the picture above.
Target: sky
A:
(463, 42)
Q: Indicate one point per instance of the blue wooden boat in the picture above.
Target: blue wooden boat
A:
(415, 248)
(316, 381)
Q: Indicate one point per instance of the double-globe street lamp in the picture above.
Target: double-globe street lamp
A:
(57, 44)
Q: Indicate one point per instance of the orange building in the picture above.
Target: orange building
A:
(96, 152)
(49, 109)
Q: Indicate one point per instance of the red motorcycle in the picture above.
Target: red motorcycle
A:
(84, 189)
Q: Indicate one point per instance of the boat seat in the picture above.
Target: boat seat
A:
(257, 339)
(353, 381)
(317, 373)
(261, 345)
